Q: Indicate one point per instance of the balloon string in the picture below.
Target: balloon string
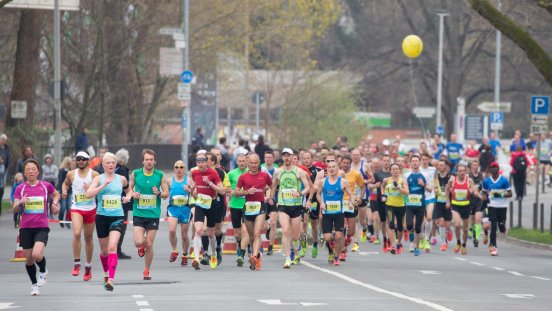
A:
(414, 96)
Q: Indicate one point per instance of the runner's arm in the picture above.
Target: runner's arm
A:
(54, 207)
(164, 189)
(306, 182)
(67, 183)
(94, 189)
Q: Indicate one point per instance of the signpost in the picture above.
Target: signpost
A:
(258, 98)
(170, 62)
(492, 106)
(497, 121)
(540, 107)
(424, 112)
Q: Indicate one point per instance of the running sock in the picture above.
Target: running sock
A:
(477, 228)
(443, 233)
(77, 261)
(112, 260)
(205, 243)
(371, 229)
(219, 239)
(88, 265)
(238, 243)
(104, 260)
(213, 245)
(330, 250)
(427, 230)
(31, 271)
(197, 247)
(41, 265)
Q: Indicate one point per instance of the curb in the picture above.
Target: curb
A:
(530, 244)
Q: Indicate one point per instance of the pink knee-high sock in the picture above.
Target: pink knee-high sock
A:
(103, 259)
(112, 261)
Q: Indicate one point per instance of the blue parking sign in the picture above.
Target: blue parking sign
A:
(540, 104)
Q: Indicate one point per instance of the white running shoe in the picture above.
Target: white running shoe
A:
(34, 290)
(42, 278)
(411, 250)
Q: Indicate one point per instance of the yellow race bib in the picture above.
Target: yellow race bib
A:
(111, 201)
(252, 208)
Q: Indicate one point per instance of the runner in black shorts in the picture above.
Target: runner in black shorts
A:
(441, 213)
(312, 203)
(214, 158)
(460, 189)
(379, 176)
(475, 203)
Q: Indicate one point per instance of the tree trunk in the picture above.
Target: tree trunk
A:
(27, 65)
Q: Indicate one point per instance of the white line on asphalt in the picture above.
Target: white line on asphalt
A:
(429, 272)
(499, 268)
(142, 303)
(477, 263)
(378, 289)
(312, 304)
(540, 278)
(146, 309)
(137, 296)
(515, 273)
(461, 259)
(276, 302)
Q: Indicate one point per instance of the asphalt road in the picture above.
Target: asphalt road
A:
(519, 278)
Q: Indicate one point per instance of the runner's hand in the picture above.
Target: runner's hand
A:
(136, 195)
(322, 206)
(126, 199)
(296, 194)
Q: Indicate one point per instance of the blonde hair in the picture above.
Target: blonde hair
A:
(18, 175)
(65, 163)
(109, 155)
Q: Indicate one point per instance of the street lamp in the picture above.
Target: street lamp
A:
(440, 67)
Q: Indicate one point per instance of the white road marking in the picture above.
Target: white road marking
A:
(368, 253)
(515, 273)
(142, 303)
(378, 289)
(8, 305)
(477, 263)
(519, 296)
(312, 304)
(430, 272)
(146, 309)
(461, 259)
(137, 296)
(277, 302)
(540, 278)
(499, 268)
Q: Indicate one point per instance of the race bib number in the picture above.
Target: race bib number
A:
(147, 201)
(81, 199)
(461, 194)
(454, 155)
(252, 208)
(414, 199)
(180, 200)
(497, 194)
(333, 207)
(348, 207)
(314, 205)
(111, 201)
(442, 195)
(35, 205)
(204, 201)
(287, 194)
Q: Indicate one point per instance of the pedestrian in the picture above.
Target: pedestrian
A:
(486, 157)
(64, 203)
(261, 148)
(26, 153)
(121, 169)
(5, 156)
(17, 180)
(50, 171)
(81, 143)
(197, 140)
(519, 163)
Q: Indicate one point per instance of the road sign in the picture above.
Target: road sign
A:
(475, 127)
(171, 61)
(537, 129)
(184, 87)
(64, 5)
(18, 109)
(183, 96)
(440, 130)
(186, 76)
(258, 97)
(540, 104)
(539, 119)
(497, 120)
(424, 112)
(492, 106)
(168, 31)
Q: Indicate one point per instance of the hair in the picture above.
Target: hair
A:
(212, 157)
(346, 157)
(35, 162)
(395, 164)
(122, 156)
(110, 155)
(150, 152)
(3, 137)
(253, 154)
(222, 140)
(241, 142)
(241, 155)
(17, 175)
(331, 154)
(427, 155)
(260, 139)
(179, 161)
(415, 156)
(269, 152)
(25, 148)
(65, 162)
(447, 162)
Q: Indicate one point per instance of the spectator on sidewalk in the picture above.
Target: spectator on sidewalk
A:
(81, 143)
(50, 171)
(519, 163)
(261, 148)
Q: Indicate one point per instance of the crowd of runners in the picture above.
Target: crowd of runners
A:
(331, 199)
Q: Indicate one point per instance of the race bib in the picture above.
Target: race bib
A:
(442, 195)
(81, 199)
(252, 208)
(348, 207)
(461, 194)
(204, 201)
(35, 205)
(454, 156)
(111, 201)
(497, 194)
(333, 207)
(180, 200)
(414, 199)
(147, 201)
(314, 205)
(287, 194)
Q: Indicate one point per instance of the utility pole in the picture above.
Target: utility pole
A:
(440, 68)
(57, 84)
(186, 108)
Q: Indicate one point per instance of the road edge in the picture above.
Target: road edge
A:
(530, 244)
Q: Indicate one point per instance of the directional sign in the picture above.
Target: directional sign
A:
(186, 76)
(170, 61)
(258, 97)
(168, 31)
(492, 106)
(539, 119)
(540, 104)
(424, 112)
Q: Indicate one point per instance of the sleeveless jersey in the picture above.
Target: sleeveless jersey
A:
(178, 197)
(109, 198)
(441, 193)
(288, 183)
(332, 194)
(148, 205)
(394, 196)
(460, 192)
(78, 199)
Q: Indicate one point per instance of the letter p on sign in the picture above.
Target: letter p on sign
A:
(540, 105)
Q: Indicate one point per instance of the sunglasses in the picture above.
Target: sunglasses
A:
(81, 159)
(181, 167)
(328, 161)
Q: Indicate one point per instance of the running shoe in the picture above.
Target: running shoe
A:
(296, 261)
(384, 247)
(314, 252)
(373, 239)
(355, 247)
(258, 265)
(485, 239)
(304, 243)
(336, 262)
(302, 252)
(191, 252)
(34, 290)
(141, 251)
(239, 261)
(109, 285)
(411, 236)
(363, 236)
(269, 252)
(87, 273)
(287, 264)
(464, 251)
(444, 247)
(205, 260)
(494, 251)
(42, 278)
(343, 256)
(457, 248)
(416, 252)
(434, 241)
(173, 257)
(330, 258)
(475, 243)
(449, 235)
(184, 261)
(195, 264)
(377, 241)
(147, 275)
(252, 262)
(213, 262)
(76, 269)
(427, 246)
(105, 278)
(411, 248)
(399, 248)
(393, 251)
(219, 255)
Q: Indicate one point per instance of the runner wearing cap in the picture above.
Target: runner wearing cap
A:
(289, 179)
(83, 212)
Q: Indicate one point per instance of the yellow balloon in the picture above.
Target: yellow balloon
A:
(412, 46)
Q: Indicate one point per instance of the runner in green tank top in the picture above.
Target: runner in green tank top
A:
(148, 187)
(236, 209)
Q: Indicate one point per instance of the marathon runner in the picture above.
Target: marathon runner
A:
(148, 187)
(253, 185)
(356, 184)
(415, 208)
(454, 152)
(272, 210)
(289, 179)
(429, 173)
(83, 212)
(364, 213)
(476, 214)
(31, 197)
(236, 209)
(107, 189)
(375, 166)
(179, 211)
(497, 188)
(442, 213)
(459, 192)
(379, 176)
(393, 189)
(312, 203)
